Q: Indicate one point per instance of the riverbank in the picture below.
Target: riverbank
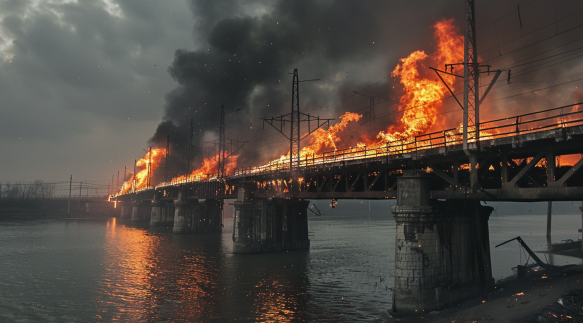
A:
(48, 216)
(513, 300)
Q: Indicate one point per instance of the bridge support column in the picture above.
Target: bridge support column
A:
(126, 210)
(162, 214)
(264, 225)
(141, 212)
(439, 258)
(209, 216)
(182, 214)
(156, 215)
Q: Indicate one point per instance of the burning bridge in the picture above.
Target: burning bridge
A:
(438, 180)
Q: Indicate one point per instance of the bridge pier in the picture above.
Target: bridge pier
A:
(141, 212)
(264, 225)
(182, 216)
(162, 213)
(193, 216)
(440, 259)
(209, 215)
(126, 210)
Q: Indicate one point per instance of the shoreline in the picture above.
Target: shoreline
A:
(48, 216)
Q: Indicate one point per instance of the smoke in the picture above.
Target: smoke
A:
(246, 50)
(245, 61)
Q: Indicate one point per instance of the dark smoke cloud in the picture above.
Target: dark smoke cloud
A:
(246, 50)
(246, 60)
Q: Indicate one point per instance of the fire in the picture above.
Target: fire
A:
(424, 96)
(320, 140)
(328, 138)
(208, 169)
(141, 178)
(420, 106)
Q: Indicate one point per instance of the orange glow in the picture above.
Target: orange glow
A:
(208, 170)
(567, 160)
(141, 178)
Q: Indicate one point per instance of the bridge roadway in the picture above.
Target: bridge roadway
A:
(443, 253)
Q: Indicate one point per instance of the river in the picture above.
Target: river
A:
(102, 271)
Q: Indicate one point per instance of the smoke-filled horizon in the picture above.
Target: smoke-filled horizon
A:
(104, 101)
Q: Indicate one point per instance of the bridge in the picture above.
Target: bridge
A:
(442, 246)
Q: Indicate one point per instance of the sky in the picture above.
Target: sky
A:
(87, 86)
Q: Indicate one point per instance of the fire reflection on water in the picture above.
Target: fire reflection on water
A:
(148, 277)
(276, 301)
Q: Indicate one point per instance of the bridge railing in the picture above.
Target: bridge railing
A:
(561, 117)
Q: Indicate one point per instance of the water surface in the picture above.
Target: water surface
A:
(101, 271)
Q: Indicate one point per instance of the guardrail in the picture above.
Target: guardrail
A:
(555, 118)
(561, 117)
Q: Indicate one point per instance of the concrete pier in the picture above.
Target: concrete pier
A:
(209, 215)
(126, 210)
(141, 212)
(182, 216)
(264, 225)
(194, 216)
(162, 214)
(442, 254)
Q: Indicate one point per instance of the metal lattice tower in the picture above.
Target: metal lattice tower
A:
(295, 118)
(189, 158)
(166, 166)
(471, 77)
(294, 143)
(222, 145)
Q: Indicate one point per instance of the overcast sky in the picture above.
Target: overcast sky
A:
(86, 86)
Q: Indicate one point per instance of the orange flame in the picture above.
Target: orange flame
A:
(424, 96)
(141, 178)
(208, 169)
(320, 139)
(420, 106)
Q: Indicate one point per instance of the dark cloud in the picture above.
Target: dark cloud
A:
(90, 80)
(84, 82)
(248, 58)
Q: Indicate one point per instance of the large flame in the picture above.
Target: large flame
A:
(141, 178)
(320, 139)
(420, 105)
(208, 169)
(423, 96)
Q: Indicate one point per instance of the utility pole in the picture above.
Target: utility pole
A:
(70, 186)
(294, 143)
(134, 176)
(295, 119)
(80, 187)
(371, 110)
(471, 78)
(189, 148)
(149, 166)
(167, 157)
(112, 176)
(221, 170)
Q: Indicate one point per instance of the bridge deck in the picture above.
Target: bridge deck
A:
(516, 158)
